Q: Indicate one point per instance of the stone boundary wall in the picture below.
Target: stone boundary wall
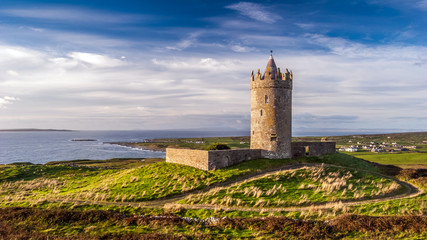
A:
(314, 148)
(210, 160)
(216, 159)
(190, 157)
(224, 158)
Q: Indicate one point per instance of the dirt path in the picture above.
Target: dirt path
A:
(410, 192)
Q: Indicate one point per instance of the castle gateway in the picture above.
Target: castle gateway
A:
(271, 127)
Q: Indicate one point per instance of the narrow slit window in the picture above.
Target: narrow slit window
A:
(260, 112)
(266, 99)
(273, 137)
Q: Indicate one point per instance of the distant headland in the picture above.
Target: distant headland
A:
(35, 130)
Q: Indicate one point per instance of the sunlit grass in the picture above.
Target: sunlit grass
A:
(306, 186)
(398, 159)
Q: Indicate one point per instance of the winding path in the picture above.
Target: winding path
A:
(411, 191)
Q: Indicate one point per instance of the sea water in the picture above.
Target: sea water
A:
(42, 147)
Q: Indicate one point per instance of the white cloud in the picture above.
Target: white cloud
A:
(205, 64)
(183, 44)
(422, 4)
(255, 11)
(12, 73)
(6, 100)
(190, 41)
(345, 84)
(306, 26)
(352, 49)
(96, 60)
(71, 14)
(240, 48)
(398, 4)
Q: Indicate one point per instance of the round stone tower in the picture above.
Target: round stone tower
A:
(271, 111)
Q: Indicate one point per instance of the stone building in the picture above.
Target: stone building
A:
(271, 111)
(271, 127)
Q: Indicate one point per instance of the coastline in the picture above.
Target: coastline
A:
(135, 145)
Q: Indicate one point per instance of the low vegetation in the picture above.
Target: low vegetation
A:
(31, 223)
(306, 186)
(218, 146)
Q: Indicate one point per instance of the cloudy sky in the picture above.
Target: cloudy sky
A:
(123, 65)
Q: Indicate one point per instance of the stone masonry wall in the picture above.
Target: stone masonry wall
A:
(190, 157)
(224, 158)
(210, 160)
(314, 148)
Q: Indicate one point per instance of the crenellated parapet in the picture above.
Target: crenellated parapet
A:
(271, 79)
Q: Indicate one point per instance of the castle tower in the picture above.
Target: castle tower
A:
(271, 111)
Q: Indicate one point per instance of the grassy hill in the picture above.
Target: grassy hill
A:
(78, 181)
(150, 199)
(300, 187)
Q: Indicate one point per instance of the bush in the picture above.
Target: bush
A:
(218, 146)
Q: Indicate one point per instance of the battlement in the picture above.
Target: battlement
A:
(272, 79)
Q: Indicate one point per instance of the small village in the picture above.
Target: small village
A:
(376, 147)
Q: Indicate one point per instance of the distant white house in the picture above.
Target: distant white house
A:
(413, 147)
(348, 149)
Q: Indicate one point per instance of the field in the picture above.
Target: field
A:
(191, 143)
(336, 196)
(403, 160)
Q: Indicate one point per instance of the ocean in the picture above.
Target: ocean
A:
(41, 147)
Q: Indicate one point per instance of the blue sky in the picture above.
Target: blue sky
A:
(186, 64)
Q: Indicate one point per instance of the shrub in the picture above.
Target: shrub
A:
(218, 146)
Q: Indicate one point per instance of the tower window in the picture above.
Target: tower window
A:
(260, 112)
(253, 132)
(266, 99)
(273, 137)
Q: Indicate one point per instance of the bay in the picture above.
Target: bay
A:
(42, 147)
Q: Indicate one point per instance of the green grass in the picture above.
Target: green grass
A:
(122, 163)
(146, 182)
(38, 183)
(46, 186)
(341, 159)
(307, 186)
(194, 143)
(399, 159)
